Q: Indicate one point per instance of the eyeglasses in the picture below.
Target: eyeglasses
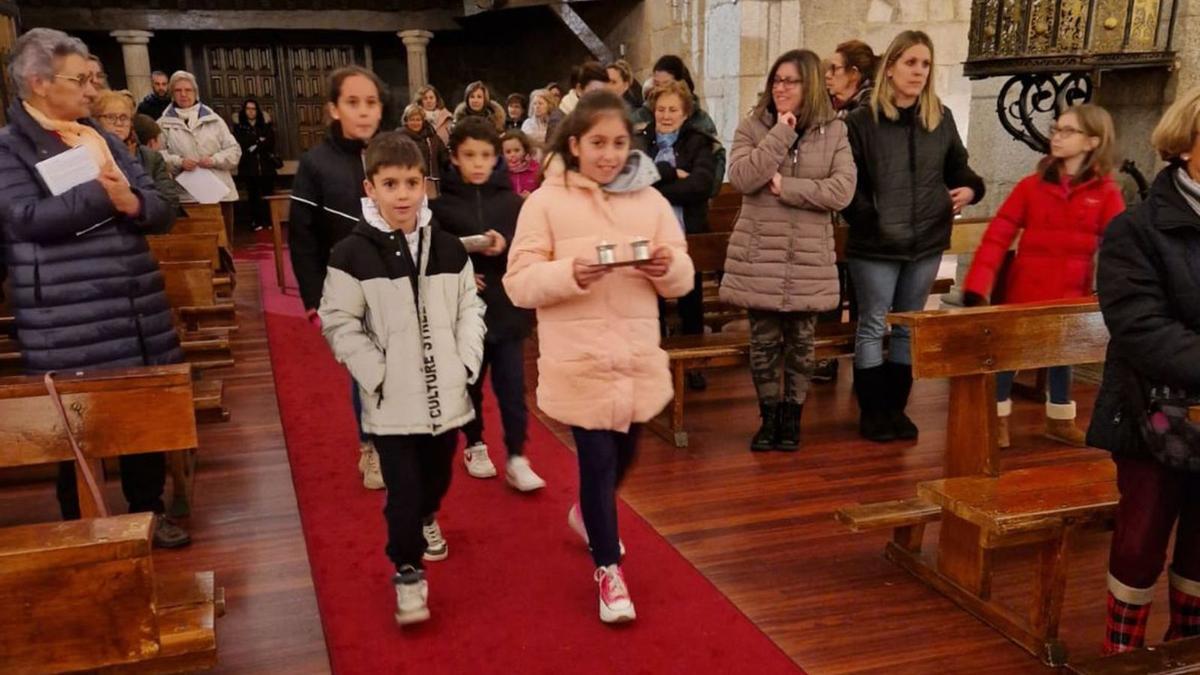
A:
(114, 118)
(1056, 130)
(785, 82)
(82, 79)
(832, 69)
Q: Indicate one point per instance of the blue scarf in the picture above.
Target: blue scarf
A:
(666, 153)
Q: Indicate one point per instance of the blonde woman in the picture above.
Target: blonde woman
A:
(792, 163)
(913, 177)
(543, 118)
(114, 112)
(435, 111)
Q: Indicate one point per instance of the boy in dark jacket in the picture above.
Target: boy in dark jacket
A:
(477, 198)
(399, 308)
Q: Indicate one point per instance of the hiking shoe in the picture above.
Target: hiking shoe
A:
(575, 522)
(412, 596)
(521, 476)
(169, 535)
(435, 545)
(368, 466)
(615, 605)
(479, 465)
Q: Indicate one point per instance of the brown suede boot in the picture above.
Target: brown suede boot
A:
(1060, 424)
(1003, 411)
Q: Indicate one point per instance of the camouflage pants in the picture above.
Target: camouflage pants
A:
(781, 354)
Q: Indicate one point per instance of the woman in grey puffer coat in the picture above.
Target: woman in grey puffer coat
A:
(792, 162)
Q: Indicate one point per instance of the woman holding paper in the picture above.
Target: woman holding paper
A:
(195, 137)
(75, 207)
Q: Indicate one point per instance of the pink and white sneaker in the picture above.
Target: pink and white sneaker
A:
(615, 605)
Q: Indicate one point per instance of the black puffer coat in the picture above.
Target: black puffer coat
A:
(437, 157)
(693, 154)
(463, 210)
(86, 292)
(1149, 286)
(326, 205)
(901, 208)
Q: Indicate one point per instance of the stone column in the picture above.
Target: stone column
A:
(137, 60)
(415, 41)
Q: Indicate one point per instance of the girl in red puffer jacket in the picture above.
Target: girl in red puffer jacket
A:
(1063, 209)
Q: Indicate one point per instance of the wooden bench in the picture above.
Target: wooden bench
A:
(176, 247)
(84, 596)
(983, 511)
(108, 409)
(281, 208)
(190, 290)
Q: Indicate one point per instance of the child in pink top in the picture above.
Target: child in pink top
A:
(522, 167)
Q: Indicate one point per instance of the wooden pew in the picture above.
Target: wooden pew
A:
(84, 596)
(189, 285)
(108, 409)
(981, 510)
(281, 208)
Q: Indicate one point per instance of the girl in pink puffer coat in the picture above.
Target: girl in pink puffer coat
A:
(601, 369)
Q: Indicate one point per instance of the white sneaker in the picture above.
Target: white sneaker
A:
(521, 476)
(368, 466)
(436, 547)
(615, 605)
(412, 601)
(575, 522)
(479, 465)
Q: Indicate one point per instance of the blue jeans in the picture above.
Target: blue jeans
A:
(356, 401)
(506, 360)
(884, 286)
(1059, 378)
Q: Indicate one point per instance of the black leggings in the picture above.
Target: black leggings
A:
(604, 460)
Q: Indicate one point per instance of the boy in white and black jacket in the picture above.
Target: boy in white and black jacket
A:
(400, 310)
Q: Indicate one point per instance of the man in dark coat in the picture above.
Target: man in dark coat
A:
(86, 292)
(156, 102)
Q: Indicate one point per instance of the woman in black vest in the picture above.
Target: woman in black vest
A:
(327, 203)
(1149, 288)
(913, 177)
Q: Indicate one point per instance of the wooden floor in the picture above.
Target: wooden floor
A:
(760, 526)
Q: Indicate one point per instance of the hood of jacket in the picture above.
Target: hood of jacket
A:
(373, 221)
(638, 173)
(204, 115)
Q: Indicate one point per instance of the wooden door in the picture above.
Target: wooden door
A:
(308, 68)
(236, 72)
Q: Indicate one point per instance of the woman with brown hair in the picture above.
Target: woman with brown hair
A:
(792, 163)
(435, 111)
(478, 103)
(913, 177)
(849, 74)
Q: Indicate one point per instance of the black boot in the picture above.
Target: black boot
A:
(768, 434)
(899, 386)
(874, 423)
(789, 426)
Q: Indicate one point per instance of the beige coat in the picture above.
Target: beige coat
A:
(600, 365)
(781, 254)
(210, 137)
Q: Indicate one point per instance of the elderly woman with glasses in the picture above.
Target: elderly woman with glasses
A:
(86, 292)
(195, 137)
(115, 112)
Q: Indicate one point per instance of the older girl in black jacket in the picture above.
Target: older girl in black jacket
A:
(913, 177)
(327, 205)
(1149, 287)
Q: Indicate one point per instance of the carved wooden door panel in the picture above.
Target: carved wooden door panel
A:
(236, 72)
(308, 68)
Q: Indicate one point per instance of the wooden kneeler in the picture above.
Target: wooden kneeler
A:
(83, 595)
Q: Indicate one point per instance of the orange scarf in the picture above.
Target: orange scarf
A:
(74, 134)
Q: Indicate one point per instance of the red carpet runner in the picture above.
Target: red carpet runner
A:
(516, 594)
